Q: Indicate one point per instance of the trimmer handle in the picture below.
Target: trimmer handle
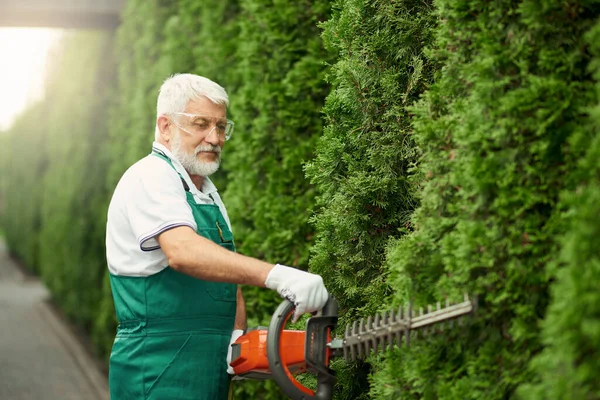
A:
(318, 334)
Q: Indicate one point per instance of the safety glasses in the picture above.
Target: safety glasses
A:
(199, 124)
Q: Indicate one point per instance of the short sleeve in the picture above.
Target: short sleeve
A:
(157, 203)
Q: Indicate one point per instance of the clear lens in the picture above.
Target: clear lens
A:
(198, 124)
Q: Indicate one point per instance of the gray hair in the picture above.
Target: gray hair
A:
(179, 89)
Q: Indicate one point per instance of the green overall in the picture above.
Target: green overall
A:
(174, 330)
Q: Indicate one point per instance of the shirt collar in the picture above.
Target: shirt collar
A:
(207, 186)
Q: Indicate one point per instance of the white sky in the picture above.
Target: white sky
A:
(23, 53)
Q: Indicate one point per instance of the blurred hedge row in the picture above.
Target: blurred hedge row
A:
(53, 171)
(405, 150)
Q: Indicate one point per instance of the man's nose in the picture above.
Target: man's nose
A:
(213, 137)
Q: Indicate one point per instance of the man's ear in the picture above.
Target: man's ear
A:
(163, 124)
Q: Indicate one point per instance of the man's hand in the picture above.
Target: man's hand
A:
(234, 336)
(304, 289)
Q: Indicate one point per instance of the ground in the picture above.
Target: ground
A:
(41, 358)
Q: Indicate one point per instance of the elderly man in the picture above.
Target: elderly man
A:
(171, 256)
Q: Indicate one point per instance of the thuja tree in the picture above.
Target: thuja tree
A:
(495, 130)
(278, 92)
(280, 65)
(142, 67)
(54, 180)
(568, 367)
(201, 37)
(72, 261)
(280, 68)
(367, 152)
(23, 164)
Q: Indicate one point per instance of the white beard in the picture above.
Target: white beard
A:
(190, 161)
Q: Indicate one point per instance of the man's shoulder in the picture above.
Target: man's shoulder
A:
(149, 172)
(151, 164)
(150, 168)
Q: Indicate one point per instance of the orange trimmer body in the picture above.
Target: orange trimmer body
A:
(249, 353)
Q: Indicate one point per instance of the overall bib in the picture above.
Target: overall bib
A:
(174, 330)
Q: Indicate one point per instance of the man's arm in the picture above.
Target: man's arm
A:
(194, 255)
(240, 313)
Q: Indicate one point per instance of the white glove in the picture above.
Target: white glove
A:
(234, 336)
(304, 289)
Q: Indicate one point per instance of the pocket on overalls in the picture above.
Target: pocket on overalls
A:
(163, 369)
(124, 368)
(191, 367)
(222, 292)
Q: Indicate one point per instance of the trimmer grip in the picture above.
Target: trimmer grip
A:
(284, 378)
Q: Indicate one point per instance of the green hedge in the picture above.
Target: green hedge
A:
(495, 131)
(280, 64)
(72, 230)
(54, 192)
(569, 365)
(142, 67)
(21, 216)
(367, 152)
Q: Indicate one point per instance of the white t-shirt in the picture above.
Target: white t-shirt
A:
(148, 200)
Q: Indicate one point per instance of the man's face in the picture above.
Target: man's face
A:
(199, 151)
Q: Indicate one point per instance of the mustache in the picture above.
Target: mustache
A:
(210, 149)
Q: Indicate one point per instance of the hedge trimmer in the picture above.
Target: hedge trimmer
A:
(273, 352)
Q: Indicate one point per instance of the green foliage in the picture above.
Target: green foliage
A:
(55, 186)
(280, 69)
(21, 189)
(142, 67)
(568, 367)
(367, 152)
(74, 133)
(278, 92)
(495, 133)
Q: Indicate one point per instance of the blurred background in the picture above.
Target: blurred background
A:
(404, 150)
(25, 54)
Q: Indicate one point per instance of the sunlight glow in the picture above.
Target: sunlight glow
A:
(23, 55)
